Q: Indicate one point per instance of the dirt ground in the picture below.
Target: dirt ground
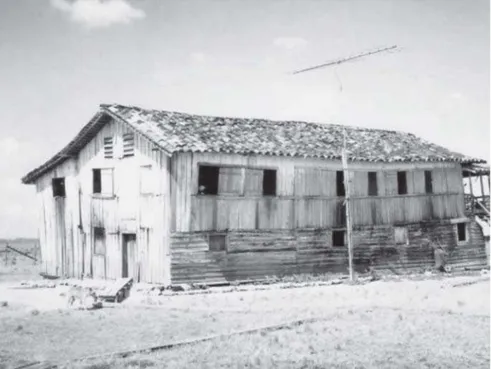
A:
(404, 324)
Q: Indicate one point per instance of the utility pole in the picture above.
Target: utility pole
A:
(347, 205)
(344, 156)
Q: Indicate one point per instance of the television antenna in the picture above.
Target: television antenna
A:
(347, 180)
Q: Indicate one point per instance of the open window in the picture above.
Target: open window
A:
(58, 185)
(428, 181)
(99, 241)
(372, 184)
(208, 180)
(338, 238)
(102, 181)
(401, 183)
(340, 189)
(462, 234)
(269, 182)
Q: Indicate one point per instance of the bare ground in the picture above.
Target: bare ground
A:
(378, 325)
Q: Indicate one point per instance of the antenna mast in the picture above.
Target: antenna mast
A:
(344, 60)
(347, 178)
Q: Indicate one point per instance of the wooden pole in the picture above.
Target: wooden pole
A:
(472, 194)
(8, 247)
(347, 205)
(482, 185)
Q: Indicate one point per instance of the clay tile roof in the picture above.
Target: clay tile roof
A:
(197, 133)
(181, 132)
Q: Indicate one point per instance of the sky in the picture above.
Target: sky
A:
(60, 59)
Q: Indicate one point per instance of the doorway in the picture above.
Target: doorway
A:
(129, 255)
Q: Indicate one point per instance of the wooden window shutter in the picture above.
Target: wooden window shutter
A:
(253, 182)
(147, 180)
(400, 235)
(107, 183)
(128, 145)
(230, 181)
(108, 147)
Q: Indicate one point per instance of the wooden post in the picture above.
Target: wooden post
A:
(472, 194)
(482, 185)
(347, 204)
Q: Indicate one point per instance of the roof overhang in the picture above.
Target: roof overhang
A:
(475, 169)
(71, 150)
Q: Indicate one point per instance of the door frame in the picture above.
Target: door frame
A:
(125, 237)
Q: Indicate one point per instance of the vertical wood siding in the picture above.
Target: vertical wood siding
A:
(125, 211)
(57, 231)
(306, 194)
(292, 232)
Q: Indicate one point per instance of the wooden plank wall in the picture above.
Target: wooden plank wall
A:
(258, 255)
(60, 247)
(126, 211)
(292, 231)
(306, 194)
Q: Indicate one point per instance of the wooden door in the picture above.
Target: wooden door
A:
(129, 255)
(61, 267)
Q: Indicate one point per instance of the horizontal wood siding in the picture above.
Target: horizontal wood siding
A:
(262, 254)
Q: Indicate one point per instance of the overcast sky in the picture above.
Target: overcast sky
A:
(60, 59)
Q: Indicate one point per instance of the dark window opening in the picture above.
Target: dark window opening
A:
(58, 185)
(269, 182)
(340, 190)
(99, 241)
(338, 238)
(372, 184)
(461, 232)
(108, 148)
(401, 183)
(217, 242)
(428, 182)
(342, 214)
(208, 180)
(96, 181)
(128, 144)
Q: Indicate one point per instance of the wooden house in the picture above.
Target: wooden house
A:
(169, 197)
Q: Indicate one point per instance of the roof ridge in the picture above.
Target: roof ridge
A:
(319, 124)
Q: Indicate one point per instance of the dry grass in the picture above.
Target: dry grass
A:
(15, 267)
(379, 325)
(379, 339)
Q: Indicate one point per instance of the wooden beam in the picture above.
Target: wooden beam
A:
(348, 210)
(482, 185)
(21, 253)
